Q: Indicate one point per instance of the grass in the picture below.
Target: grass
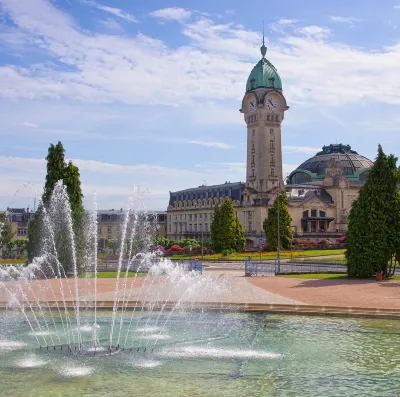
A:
(326, 276)
(114, 274)
(265, 255)
(13, 261)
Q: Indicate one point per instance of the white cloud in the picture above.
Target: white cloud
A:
(111, 24)
(300, 149)
(217, 145)
(346, 20)
(111, 10)
(29, 124)
(126, 69)
(172, 14)
(286, 21)
(318, 32)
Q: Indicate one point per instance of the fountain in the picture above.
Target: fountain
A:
(161, 329)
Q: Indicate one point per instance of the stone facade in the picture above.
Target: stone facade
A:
(320, 191)
(110, 223)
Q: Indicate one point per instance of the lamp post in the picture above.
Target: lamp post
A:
(279, 235)
(202, 241)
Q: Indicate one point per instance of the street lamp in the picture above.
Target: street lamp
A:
(279, 235)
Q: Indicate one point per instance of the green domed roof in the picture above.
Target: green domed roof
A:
(263, 74)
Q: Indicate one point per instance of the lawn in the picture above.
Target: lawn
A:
(113, 274)
(13, 261)
(326, 276)
(266, 255)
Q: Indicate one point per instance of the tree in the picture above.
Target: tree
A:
(373, 232)
(270, 225)
(240, 239)
(57, 170)
(215, 229)
(113, 245)
(71, 179)
(6, 231)
(226, 231)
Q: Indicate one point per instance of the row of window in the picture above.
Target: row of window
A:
(191, 217)
(204, 195)
(314, 214)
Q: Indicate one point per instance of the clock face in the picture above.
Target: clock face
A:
(271, 103)
(253, 106)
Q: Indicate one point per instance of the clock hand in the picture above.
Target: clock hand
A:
(269, 100)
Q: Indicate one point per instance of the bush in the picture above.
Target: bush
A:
(227, 252)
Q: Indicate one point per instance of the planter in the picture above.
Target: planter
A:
(379, 276)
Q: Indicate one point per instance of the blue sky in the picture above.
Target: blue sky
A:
(149, 94)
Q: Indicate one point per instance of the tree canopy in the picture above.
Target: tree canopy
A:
(270, 225)
(373, 235)
(6, 231)
(57, 170)
(226, 231)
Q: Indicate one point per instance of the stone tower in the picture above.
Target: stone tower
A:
(263, 107)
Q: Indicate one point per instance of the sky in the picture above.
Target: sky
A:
(148, 93)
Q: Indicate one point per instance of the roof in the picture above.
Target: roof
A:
(227, 189)
(302, 193)
(352, 164)
(264, 74)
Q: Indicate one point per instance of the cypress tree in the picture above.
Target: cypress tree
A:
(373, 232)
(240, 240)
(226, 231)
(57, 170)
(215, 229)
(6, 231)
(270, 225)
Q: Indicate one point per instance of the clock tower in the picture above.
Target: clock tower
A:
(263, 107)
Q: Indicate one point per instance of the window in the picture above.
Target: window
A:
(314, 213)
(99, 230)
(21, 232)
(200, 227)
(249, 214)
(200, 216)
(271, 144)
(195, 228)
(250, 226)
(305, 214)
(206, 227)
(272, 171)
(190, 227)
(109, 217)
(109, 229)
(180, 216)
(254, 131)
(205, 216)
(195, 217)
(322, 214)
(271, 130)
(190, 217)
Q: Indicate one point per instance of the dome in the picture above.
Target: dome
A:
(352, 165)
(263, 74)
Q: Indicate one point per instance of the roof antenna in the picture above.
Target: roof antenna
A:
(263, 32)
(263, 48)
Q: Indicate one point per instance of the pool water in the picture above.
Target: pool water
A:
(209, 354)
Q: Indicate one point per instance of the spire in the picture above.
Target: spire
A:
(263, 48)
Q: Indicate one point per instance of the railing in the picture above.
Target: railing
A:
(271, 268)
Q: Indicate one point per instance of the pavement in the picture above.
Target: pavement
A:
(215, 285)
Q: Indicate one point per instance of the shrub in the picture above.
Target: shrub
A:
(227, 252)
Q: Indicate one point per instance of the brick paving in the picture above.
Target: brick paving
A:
(343, 293)
(223, 286)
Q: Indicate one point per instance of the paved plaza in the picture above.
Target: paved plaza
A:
(219, 285)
